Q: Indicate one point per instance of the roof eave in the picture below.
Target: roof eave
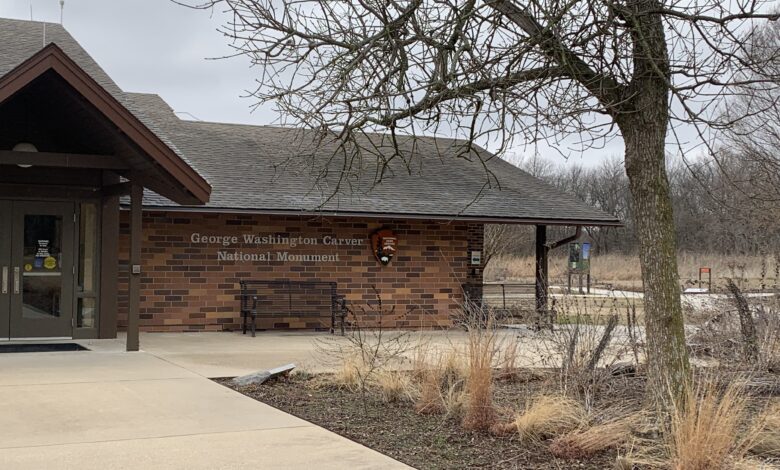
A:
(589, 222)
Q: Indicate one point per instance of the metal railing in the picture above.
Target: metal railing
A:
(508, 301)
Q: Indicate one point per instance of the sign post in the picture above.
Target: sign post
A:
(708, 272)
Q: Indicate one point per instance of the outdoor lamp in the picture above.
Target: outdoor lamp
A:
(25, 147)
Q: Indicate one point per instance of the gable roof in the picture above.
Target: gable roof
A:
(106, 97)
(262, 169)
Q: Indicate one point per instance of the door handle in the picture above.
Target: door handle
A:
(4, 280)
(17, 282)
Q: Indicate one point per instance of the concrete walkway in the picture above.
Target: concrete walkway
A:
(226, 354)
(107, 409)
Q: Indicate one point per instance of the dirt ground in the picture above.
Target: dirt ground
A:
(434, 441)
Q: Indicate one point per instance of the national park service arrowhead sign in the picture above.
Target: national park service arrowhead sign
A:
(384, 244)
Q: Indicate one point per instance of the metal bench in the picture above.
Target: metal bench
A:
(317, 301)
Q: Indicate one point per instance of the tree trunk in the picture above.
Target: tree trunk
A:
(643, 119)
(667, 356)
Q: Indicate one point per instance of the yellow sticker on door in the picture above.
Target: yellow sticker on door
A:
(28, 267)
(50, 263)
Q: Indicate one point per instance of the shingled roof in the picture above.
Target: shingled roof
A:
(264, 169)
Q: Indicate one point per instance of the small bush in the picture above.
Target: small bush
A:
(479, 412)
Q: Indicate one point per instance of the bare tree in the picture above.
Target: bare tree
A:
(498, 240)
(507, 71)
(755, 137)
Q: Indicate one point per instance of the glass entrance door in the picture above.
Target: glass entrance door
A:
(40, 271)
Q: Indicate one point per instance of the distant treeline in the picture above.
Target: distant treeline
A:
(727, 205)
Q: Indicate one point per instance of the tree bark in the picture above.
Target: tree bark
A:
(643, 121)
(668, 367)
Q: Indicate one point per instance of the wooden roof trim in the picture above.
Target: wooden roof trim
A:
(53, 58)
(585, 222)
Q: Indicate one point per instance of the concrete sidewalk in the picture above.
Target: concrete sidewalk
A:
(115, 410)
(226, 354)
(233, 354)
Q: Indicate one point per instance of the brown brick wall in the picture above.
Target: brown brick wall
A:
(187, 287)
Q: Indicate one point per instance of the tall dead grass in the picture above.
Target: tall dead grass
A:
(720, 335)
(710, 429)
(440, 378)
(479, 412)
(620, 267)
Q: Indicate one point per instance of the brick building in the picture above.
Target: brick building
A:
(116, 214)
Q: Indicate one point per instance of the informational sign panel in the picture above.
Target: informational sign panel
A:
(579, 265)
(579, 257)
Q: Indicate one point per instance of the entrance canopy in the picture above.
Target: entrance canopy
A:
(55, 115)
(72, 143)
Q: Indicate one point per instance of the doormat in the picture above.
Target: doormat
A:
(42, 347)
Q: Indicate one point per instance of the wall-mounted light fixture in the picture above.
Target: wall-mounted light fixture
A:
(25, 147)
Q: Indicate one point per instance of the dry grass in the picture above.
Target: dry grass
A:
(440, 381)
(348, 374)
(509, 369)
(479, 412)
(420, 358)
(546, 417)
(708, 431)
(753, 464)
(393, 386)
(583, 443)
(767, 440)
(429, 398)
(620, 268)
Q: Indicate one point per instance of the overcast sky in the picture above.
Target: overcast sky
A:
(155, 46)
